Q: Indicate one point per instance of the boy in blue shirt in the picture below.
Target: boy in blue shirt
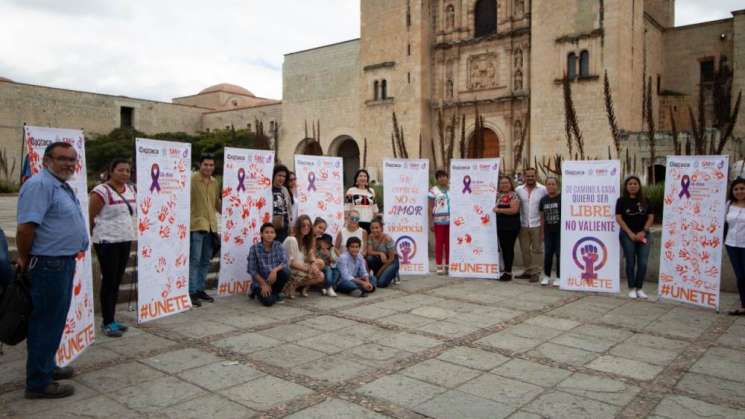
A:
(354, 280)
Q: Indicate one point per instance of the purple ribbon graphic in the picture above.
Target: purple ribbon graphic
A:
(241, 178)
(311, 181)
(467, 184)
(685, 183)
(154, 175)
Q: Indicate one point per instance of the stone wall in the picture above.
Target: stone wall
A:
(244, 118)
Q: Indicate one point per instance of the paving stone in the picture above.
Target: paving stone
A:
(524, 304)
(634, 315)
(246, 321)
(290, 332)
(13, 403)
(287, 355)
(140, 344)
(116, 377)
(503, 390)
(553, 322)
(521, 414)
(265, 392)
(365, 332)
(656, 342)
(330, 343)
(96, 407)
(401, 390)
(584, 342)
(601, 389)
(374, 355)
(683, 322)
(473, 358)
(203, 328)
(734, 337)
(180, 360)
(486, 319)
(247, 343)
(625, 367)
(284, 312)
(211, 406)
(156, 395)
(567, 406)
(433, 312)
(602, 332)
(534, 332)
(335, 409)
(531, 372)
(406, 320)
(409, 342)
(722, 363)
(708, 386)
(681, 407)
(334, 369)
(441, 373)
(510, 342)
(327, 323)
(94, 355)
(449, 329)
(220, 375)
(564, 354)
(653, 356)
(456, 404)
(371, 312)
(13, 371)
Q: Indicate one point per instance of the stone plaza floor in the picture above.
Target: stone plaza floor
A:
(429, 347)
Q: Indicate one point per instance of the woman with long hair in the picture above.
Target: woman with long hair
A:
(382, 259)
(361, 198)
(635, 215)
(291, 185)
(735, 238)
(508, 223)
(305, 268)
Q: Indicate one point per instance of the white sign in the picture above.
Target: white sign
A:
(79, 328)
(405, 195)
(474, 249)
(246, 205)
(692, 233)
(320, 190)
(163, 200)
(590, 254)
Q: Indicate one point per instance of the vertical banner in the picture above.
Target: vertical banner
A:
(590, 255)
(405, 185)
(692, 233)
(320, 190)
(163, 202)
(79, 327)
(474, 249)
(246, 205)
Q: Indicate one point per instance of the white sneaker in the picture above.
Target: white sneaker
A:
(545, 281)
(323, 291)
(557, 282)
(330, 292)
(641, 294)
(440, 269)
(633, 294)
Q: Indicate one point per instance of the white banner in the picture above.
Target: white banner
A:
(80, 326)
(246, 205)
(405, 196)
(474, 249)
(163, 201)
(692, 233)
(590, 254)
(320, 190)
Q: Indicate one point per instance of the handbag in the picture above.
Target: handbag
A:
(15, 309)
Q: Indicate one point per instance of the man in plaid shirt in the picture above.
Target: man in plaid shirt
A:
(267, 265)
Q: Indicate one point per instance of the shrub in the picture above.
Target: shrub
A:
(656, 194)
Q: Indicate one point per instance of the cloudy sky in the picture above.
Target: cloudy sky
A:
(160, 49)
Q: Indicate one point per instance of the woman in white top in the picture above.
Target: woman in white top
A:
(304, 266)
(735, 240)
(113, 212)
(361, 198)
(351, 229)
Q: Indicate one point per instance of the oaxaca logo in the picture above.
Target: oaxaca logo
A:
(406, 249)
(590, 255)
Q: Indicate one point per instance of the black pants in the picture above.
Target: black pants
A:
(112, 258)
(507, 240)
(282, 277)
(737, 258)
(551, 246)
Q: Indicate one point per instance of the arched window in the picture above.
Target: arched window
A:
(584, 63)
(485, 14)
(384, 89)
(518, 79)
(449, 89)
(572, 66)
(376, 91)
(450, 17)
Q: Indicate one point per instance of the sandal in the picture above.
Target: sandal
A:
(737, 312)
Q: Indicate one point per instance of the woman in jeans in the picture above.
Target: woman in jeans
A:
(381, 255)
(735, 240)
(508, 223)
(112, 210)
(635, 215)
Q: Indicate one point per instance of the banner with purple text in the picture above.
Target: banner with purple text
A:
(320, 190)
(246, 205)
(163, 203)
(405, 185)
(79, 328)
(693, 229)
(590, 252)
(474, 249)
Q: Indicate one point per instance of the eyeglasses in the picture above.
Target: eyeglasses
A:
(355, 219)
(70, 160)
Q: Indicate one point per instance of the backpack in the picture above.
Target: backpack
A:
(15, 310)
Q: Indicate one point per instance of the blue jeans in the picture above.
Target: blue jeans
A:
(551, 247)
(6, 272)
(737, 258)
(346, 287)
(51, 293)
(390, 272)
(330, 277)
(199, 259)
(636, 255)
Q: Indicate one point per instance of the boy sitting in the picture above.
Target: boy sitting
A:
(267, 265)
(354, 279)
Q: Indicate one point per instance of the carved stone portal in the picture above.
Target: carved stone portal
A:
(482, 71)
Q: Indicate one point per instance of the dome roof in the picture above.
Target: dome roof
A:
(228, 88)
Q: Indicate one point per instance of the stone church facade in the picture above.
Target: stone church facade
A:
(503, 58)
